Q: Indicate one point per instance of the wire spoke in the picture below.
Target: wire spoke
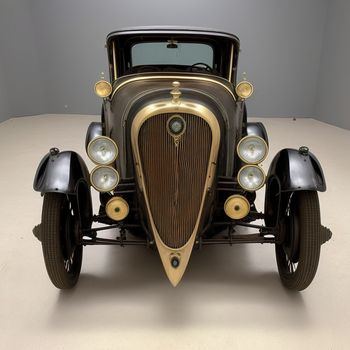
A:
(68, 263)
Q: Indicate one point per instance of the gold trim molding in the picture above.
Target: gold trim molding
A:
(173, 77)
(167, 106)
(231, 64)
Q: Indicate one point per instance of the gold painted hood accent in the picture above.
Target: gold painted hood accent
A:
(183, 253)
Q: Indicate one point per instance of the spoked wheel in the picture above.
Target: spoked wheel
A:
(298, 255)
(60, 241)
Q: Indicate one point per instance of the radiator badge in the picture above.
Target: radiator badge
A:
(176, 126)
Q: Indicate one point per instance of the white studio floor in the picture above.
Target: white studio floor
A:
(230, 297)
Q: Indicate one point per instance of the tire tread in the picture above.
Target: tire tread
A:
(51, 243)
(310, 243)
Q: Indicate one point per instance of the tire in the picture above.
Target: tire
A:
(62, 254)
(298, 256)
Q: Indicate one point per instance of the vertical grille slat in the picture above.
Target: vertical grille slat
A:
(175, 175)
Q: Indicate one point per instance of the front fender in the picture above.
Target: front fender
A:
(257, 129)
(297, 171)
(61, 172)
(94, 130)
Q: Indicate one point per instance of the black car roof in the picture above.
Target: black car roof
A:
(172, 30)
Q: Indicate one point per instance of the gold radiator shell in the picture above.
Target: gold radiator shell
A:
(183, 107)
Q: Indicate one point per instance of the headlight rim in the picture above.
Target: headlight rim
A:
(240, 84)
(109, 86)
(260, 160)
(106, 138)
(254, 166)
(100, 189)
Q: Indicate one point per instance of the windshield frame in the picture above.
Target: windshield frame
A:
(225, 48)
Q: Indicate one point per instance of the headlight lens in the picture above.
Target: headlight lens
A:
(103, 88)
(104, 178)
(102, 150)
(244, 89)
(252, 149)
(251, 177)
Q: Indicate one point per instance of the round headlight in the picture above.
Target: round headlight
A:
(244, 89)
(236, 207)
(117, 208)
(251, 177)
(252, 149)
(102, 150)
(104, 178)
(103, 88)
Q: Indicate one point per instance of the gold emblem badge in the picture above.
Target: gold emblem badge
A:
(176, 126)
(175, 92)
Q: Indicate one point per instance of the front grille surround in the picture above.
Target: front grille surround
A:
(167, 253)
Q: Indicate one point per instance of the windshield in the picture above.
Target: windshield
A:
(171, 53)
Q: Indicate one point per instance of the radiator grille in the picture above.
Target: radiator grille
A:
(175, 175)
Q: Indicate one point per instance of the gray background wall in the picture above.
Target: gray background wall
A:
(22, 78)
(52, 52)
(333, 94)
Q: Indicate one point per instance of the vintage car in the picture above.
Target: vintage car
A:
(178, 164)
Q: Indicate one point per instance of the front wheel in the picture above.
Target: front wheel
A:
(298, 255)
(60, 242)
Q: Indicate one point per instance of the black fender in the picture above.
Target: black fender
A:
(257, 129)
(66, 172)
(60, 172)
(94, 130)
(297, 170)
(291, 170)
